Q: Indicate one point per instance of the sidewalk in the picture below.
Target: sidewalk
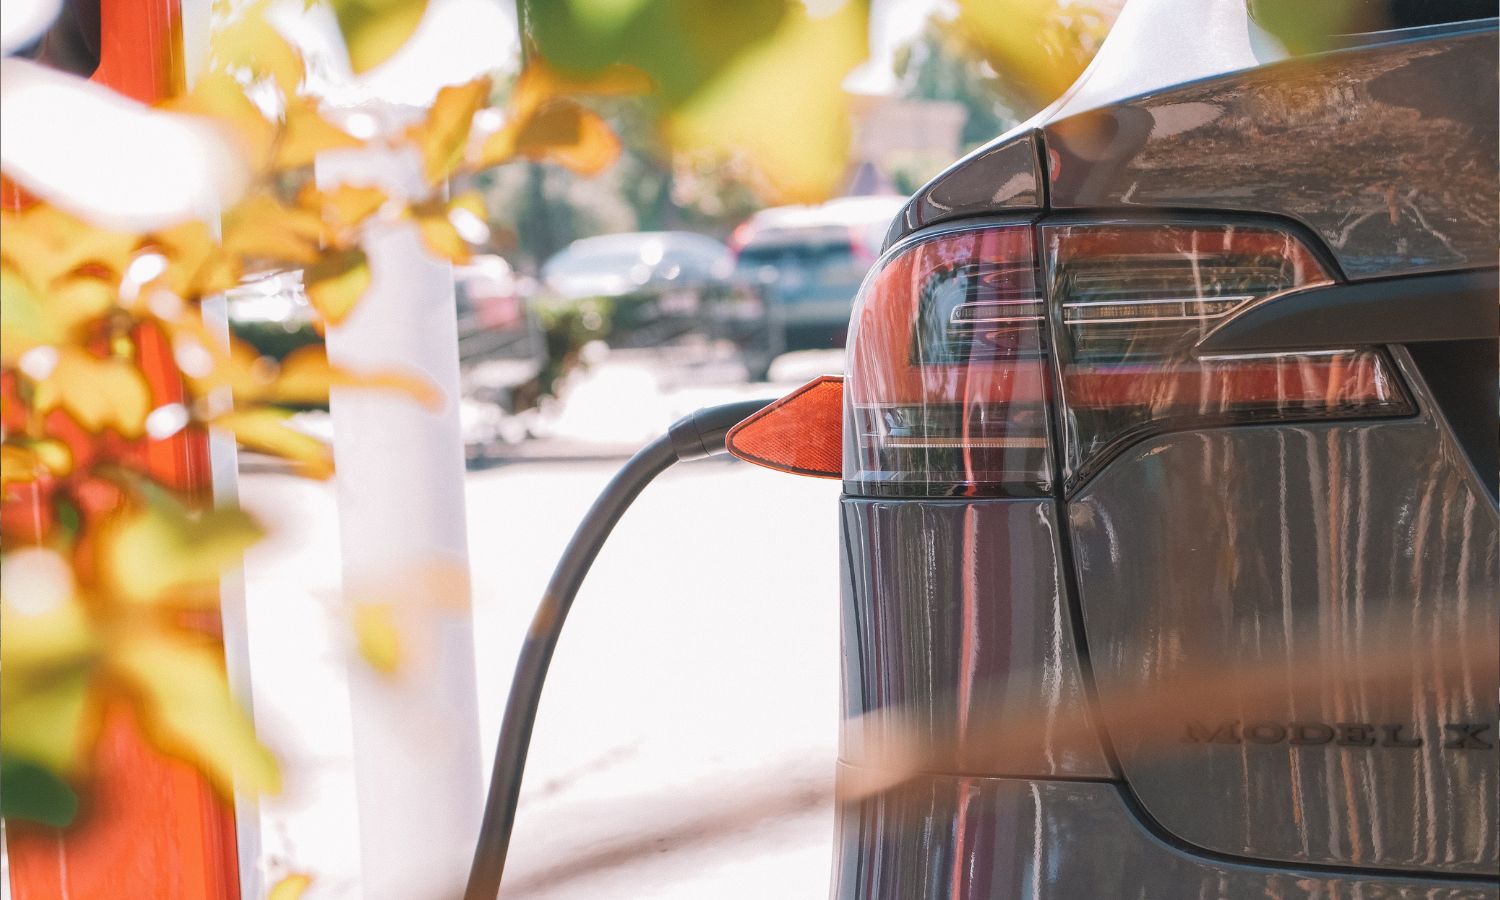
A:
(686, 741)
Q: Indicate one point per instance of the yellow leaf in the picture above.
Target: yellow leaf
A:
(77, 299)
(560, 131)
(440, 237)
(25, 321)
(539, 82)
(378, 638)
(1038, 47)
(438, 224)
(46, 719)
(19, 465)
(442, 136)
(253, 44)
(336, 282)
(44, 243)
(266, 430)
(186, 708)
(42, 622)
(217, 96)
(780, 104)
(290, 888)
(306, 134)
(375, 29)
(196, 264)
(22, 462)
(209, 363)
(306, 375)
(165, 553)
(97, 393)
(47, 649)
(262, 227)
(344, 208)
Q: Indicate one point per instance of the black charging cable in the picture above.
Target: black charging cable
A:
(696, 436)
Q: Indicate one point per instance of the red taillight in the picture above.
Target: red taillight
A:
(946, 384)
(1134, 300)
(949, 379)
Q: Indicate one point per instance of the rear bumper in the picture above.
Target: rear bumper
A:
(946, 837)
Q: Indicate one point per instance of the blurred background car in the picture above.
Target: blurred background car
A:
(502, 353)
(638, 289)
(799, 268)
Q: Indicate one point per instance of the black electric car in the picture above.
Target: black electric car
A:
(1170, 451)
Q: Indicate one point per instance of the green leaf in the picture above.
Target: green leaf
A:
(29, 791)
(375, 29)
(45, 715)
(167, 553)
(335, 283)
(24, 319)
(761, 80)
(681, 44)
(187, 709)
(781, 105)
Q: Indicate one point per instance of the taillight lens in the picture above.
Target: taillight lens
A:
(948, 380)
(1134, 300)
(946, 384)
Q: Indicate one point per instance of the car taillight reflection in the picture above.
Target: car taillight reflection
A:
(1135, 300)
(947, 380)
(954, 347)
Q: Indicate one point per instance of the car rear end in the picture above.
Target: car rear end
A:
(1170, 523)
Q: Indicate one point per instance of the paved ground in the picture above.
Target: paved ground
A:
(687, 736)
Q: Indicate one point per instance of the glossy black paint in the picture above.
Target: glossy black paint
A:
(1006, 175)
(969, 838)
(955, 623)
(1226, 546)
(1387, 152)
(1446, 306)
(1367, 549)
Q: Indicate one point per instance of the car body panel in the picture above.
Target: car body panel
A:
(1366, 552)
(1000, 176)
(1372, 148)
(955, 837)
(954, 618)
(1280, 548)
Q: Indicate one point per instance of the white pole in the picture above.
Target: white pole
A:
(400, 492)
(223, 466)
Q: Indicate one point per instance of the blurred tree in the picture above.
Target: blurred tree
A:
(1035, 48)
(937, 65)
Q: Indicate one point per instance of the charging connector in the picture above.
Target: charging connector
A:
(696, 436)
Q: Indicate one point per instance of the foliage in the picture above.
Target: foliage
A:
(111, 569)
(1035, 48)
(732, 80)
(935, 66)
(107, 569)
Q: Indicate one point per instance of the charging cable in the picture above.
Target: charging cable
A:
(696, 436)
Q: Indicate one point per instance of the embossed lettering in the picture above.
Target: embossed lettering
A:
(1393, 737)
(1465, 736)
(1311, 733)
(1265, 732)
(1224, 733)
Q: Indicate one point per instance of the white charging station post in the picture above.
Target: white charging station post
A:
(400, 490)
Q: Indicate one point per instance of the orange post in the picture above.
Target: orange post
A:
(151, 826)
